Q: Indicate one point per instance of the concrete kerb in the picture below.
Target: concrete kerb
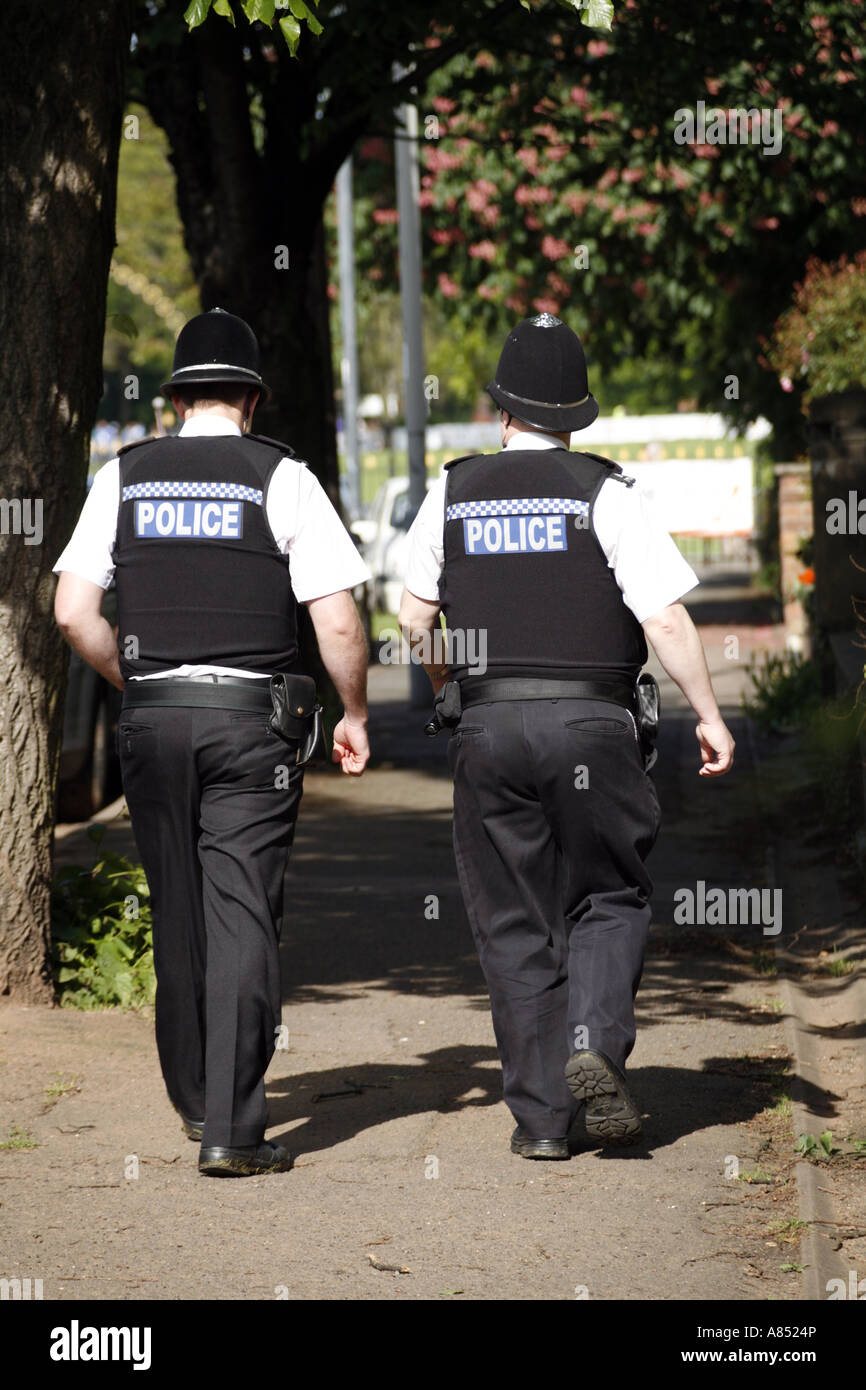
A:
(820, 1261)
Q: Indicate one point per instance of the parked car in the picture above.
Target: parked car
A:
(383, 538)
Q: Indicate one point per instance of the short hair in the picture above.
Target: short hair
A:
(213, 393)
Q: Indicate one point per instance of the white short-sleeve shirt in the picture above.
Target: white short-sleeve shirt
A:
(323, 558)
(647, 566)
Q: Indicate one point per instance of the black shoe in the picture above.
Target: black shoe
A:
(193, 1129)
(611, 1115)
(528, 1147)
(248, 1162)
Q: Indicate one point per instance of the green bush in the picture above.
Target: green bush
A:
(819, 343)
(101, 933)
(786, 691)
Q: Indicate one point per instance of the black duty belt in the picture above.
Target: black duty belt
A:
(483, 692)
(290, 700)
(208, 692)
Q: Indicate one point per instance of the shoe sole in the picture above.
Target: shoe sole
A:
(530, 1150)
(234, 1168)
(611, 1115)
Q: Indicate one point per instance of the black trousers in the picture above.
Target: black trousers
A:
(213, 796)
(554, 817)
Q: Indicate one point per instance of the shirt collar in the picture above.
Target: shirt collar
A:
(524, 440)
(208, 424)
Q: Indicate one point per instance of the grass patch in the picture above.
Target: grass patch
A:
(60, 1086)
(18, 1139)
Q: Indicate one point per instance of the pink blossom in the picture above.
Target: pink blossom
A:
(786, 383)
(385, 216)
(529, 159)
(447, 286)
(576, 202)
(554, 248)
(484, 250)
(546, 306)
(632, 175)
(443, 104)
(596, 48)
(488, 291)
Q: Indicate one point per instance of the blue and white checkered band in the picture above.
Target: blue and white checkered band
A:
(518, 506)
(234, 491)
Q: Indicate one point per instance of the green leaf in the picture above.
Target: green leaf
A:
(291, 33)
(197, 12)
(597, 14)
(124, 323)
(302, 11)
(259, 9)
(222, 7)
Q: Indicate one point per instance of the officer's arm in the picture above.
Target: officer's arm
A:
(343, 649)
(78, 612)
(678, 647)
(419, 619)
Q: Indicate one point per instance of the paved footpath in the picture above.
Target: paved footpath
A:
(389, 1090)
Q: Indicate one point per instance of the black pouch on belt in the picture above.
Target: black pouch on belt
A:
(447, 709)
(297, 713)
(649, 709)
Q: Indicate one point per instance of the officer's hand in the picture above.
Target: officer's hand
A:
(351, 748)
(717, 747)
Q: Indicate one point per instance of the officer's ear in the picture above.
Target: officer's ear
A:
(251, 400)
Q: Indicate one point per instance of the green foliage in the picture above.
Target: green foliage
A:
(822, 1147)
(786, 690)
(151, 289)
(259, 11)
(820, 342)
(101, 933)
(18, 1139)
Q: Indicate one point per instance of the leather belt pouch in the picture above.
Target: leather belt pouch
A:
(649, 709)
(297, 714)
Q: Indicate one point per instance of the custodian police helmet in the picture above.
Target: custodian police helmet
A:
(541, 377)
(215, 347)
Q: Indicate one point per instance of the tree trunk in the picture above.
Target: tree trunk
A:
(61, 107)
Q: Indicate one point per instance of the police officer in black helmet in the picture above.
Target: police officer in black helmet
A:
(552, 565)
(213, 537)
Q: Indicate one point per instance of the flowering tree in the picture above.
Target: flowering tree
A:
(566, 177)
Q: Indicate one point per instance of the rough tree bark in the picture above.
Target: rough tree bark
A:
(61, 107)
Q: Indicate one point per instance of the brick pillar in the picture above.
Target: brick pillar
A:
(795, 525)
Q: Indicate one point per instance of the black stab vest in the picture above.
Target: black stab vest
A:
(199, 575)
(522, 561)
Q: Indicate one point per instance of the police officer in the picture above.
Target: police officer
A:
(552, 564)
(213, 537)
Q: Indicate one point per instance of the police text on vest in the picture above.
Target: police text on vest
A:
(504, 535)
(190, 520)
